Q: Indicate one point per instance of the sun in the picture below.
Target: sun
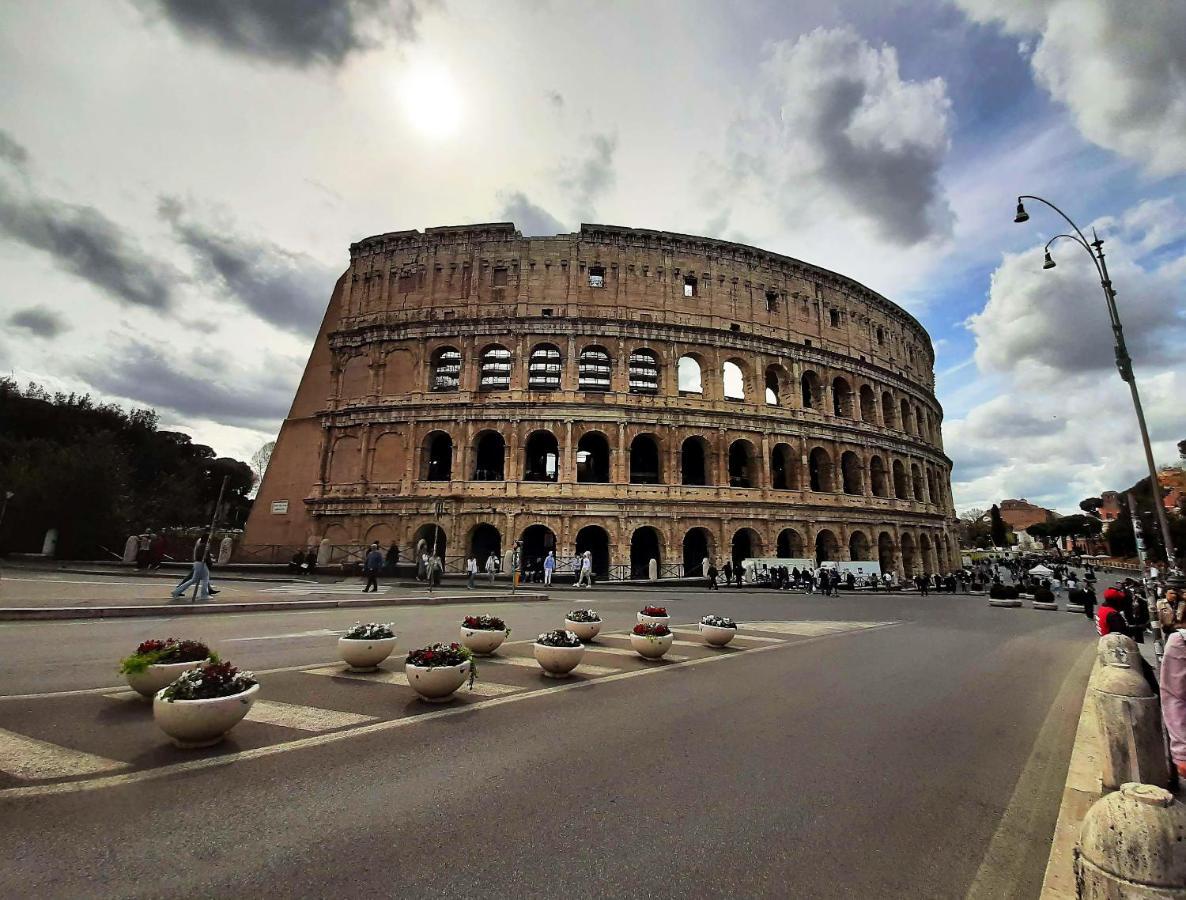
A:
(431, 100)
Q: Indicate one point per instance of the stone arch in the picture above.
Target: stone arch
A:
(541, 456)
(917, 482)
(593, 458)
(885, 551)
(858, 546)
(384, 533)
(389, 461)
(901, 485)
(852, 473)
(645, 544)
(841, 397)
(868, 402)
(697, 546)
(920, 422)
(494, 368)
(820, 470)
(690, 375)
(776, 385)
(644, 371)
(545, 367)
(595, 539)
(346, 462)
(827, 548)
(423, 537)
(594, 369)
(696, 461)
(355, 378)
(484, 539)
(436, 452)
(878, 477)
(746, 543)
(784, 468)
(790, 544)
(337, 535)
(925, 552)
(399, 371)
(490, 452)
(646, 460)
(932, 486)
(889, 417)
(908, 555)
(743, 468)
(733, 379)
(536, 540)
(444, 371)
(904, 416)
(812, 390)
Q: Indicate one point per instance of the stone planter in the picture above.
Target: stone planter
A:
(1076, 608)
(651, 647)
(482, 641)
(558, 662)
(1051, 605)
(716, 636)
(202, 723)
(1011, 603)
(586, 631)
(152, 679)
(438, 684)
(654, 620)
(364, 655)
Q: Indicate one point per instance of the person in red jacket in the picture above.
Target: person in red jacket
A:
(1109, 616)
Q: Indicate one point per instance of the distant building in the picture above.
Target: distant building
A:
(1173, 481)
(1020, 514)
(1110, 509)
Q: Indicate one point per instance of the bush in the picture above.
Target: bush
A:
(718, 621)
(371, 631)
(997, 591)
(583, 615)
(435, 655)
(654, 610)
(645, 629)
(219, 679)
(558, 638)
(1043, 595)
(485, 623)
(157, 652)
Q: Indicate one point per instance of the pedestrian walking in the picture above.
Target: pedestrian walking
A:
(727, 570)
(200, 575)
(371, 568)
(712, 577)
(549, 567)
(492, 567)
(586, 577)
(471, 572)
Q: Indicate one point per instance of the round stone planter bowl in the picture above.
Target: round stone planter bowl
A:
(201, 723)
(716, 635)
(437, 684)
(155, 677)
(365, 655)
(558, 662)
(654, 620)
(586, 631)
(482, 641)
(651, 647)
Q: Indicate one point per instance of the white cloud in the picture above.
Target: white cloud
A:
(1120, 68)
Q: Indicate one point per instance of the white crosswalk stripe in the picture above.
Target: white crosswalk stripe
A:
(675, 643)
(320, 589)
(303, 718)
(529, 663)
(741, 635)
(28, 758)
(811, 629)
(482, 688)
(626, 651)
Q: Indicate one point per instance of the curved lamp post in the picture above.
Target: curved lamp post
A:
(1095, 250)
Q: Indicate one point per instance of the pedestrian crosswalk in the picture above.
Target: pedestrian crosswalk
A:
(81, 743)
(298, 587)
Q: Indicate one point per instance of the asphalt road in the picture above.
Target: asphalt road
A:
(840, 762)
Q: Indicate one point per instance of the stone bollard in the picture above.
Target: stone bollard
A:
(131, 548)
(1130, 718)
(704, 564)
(324, 550)
(653, 569)
(1131, 845)
(49, 547)
(225, 549)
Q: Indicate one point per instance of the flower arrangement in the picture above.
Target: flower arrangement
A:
(158, 652)
(370, 631)
(435, 655)
(218, 679)
(645, 629)
(558, 638)
(583, 615)
(718, 621)
(654, 610)
(485, 623)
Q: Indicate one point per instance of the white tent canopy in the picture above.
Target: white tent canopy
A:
(1041, 570)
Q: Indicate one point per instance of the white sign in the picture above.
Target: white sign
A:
(279, 507)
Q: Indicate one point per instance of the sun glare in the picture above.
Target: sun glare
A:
(431, 100)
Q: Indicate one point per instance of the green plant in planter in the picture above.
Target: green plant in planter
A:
(166, 652)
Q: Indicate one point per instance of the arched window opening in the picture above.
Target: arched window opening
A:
(901, 488)
(594, 539)
(932, 486)
(841, 398)
(644, 546)
(540, 457)
(688, 376)
(827, 548)
(543, 369)
(734, 381)
(697, 548)
(811, 390)
(644, 461)
(438, 457)
(594, 370)
(790, 544)
(495, 369)
(742, 471)
(890, 419)
(537, 540)
(909, 561)
(885, 552)
(644, 372)
(850, 469)
(484, 542)
(858, 546)
(919, 484)
(879, 477)
(593, 458)
(694, 461)
(490, 457)
(691, 287)
(820, 470)
(446, 370)
(784, 473)
(773, 387)
(920, 422)
(745, 545)
(868, 405)
(905, 412)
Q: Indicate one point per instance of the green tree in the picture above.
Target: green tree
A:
(997, 530)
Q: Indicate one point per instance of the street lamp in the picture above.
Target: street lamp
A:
(1123, 361)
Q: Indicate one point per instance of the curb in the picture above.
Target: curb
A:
(1082, 789)
(17, 614)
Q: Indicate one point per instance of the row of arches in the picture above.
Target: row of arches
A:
(906, 555)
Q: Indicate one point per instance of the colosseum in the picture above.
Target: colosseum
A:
(639, 394)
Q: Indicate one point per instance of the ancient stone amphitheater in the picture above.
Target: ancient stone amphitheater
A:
(640, 394)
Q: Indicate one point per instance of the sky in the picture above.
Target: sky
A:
(180, 181)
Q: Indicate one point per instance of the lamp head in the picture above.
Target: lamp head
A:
(1049, 263)
(1022, 215)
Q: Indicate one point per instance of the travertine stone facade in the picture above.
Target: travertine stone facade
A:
(638, 393)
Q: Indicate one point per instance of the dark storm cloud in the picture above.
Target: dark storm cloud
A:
(39, 321)
(204, 389)
(11, 150)
(297, 33)
(84, 242)
(289, 290)
(593, 175)
(532, 220)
